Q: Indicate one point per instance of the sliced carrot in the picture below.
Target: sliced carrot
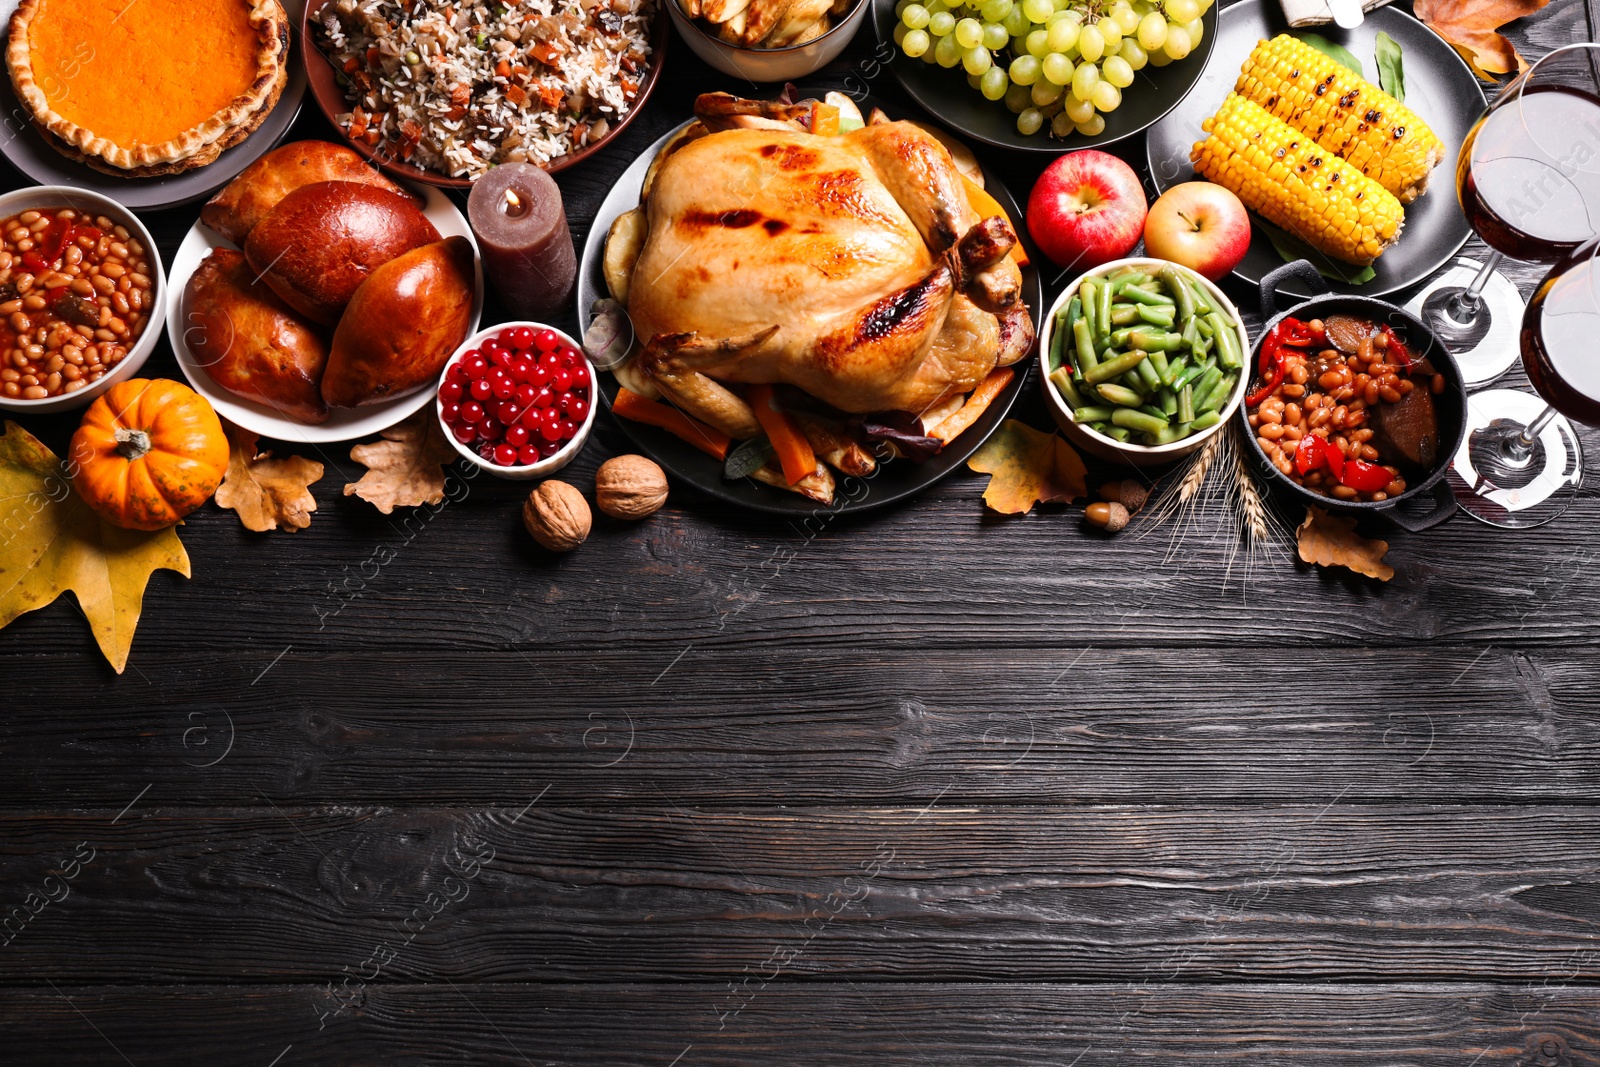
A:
(794, 452)
(986, 205)
(502, 69)
(630, 405)
(977, 403)
(825, 119)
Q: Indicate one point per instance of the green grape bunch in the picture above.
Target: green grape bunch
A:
(1059, 65)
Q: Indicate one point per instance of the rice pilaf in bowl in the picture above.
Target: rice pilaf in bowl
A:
(443, 91)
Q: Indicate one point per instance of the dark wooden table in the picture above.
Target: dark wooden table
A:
(929, 786)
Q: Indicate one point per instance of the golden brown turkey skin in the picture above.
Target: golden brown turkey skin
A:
(847, 245)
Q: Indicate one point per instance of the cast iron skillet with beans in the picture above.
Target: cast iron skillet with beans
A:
(1354, 405)
(75, 294)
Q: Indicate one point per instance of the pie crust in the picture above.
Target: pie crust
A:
(193, 147)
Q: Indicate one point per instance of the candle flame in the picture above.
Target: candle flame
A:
(512, 200)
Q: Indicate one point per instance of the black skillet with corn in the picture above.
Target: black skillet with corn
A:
(1145, 356)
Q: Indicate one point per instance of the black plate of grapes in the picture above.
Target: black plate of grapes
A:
(1148, 91)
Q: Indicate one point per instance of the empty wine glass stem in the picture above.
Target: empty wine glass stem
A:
(1519, 446)
(1466, 304)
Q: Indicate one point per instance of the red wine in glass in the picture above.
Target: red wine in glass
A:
(1561, 337)
(1522, 174)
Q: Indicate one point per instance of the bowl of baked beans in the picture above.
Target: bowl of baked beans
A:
(1354, 405)
(82, 297)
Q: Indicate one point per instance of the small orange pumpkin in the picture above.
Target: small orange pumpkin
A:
(147, 453)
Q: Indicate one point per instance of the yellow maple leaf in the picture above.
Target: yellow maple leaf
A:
(51, 541)
(1028, 467)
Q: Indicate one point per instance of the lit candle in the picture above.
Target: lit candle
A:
(521, 226)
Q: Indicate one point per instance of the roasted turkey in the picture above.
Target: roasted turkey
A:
(850, 266)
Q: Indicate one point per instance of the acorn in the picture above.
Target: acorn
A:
(1128, 492)
(1110, 517)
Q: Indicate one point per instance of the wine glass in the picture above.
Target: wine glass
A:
(1528, 176)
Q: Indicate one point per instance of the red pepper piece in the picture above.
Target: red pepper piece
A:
(54, 293)
(1364, 477)
(1315, 451)
(35, 262)
(1274, 378)
(1398, 353)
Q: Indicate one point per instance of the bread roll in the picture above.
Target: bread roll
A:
(248, 199)
(322, 241)
(250, 343)
(402, 325)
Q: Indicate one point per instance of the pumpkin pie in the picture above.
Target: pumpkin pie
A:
(148, 87)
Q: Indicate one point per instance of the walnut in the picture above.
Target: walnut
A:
(557, 516)
(630, 487)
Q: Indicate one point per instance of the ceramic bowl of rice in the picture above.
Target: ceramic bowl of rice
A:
(439, 92)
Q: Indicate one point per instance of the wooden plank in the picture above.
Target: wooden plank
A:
(937, 893)
(823, 1024)
(1004, 725)
(938, 574)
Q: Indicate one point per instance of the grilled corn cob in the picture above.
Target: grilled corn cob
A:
(1283, 176)
(1342, 112)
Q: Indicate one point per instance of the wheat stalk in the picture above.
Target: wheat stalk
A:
(1195, 477)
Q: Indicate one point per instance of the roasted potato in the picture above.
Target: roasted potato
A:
(624, 241)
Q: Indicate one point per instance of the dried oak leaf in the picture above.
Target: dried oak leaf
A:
(1470, 27)
(1331, 541)
(51, 541)
(405, 469)
(1029, 467)
(266, 491)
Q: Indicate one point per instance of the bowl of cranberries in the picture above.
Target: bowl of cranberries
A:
(517, 399)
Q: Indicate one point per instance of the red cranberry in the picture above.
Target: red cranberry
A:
(525, 394)
(546, 340)
(481, 388)
(528, 454)
(548, 449)
(569, 429)
(504, 388)
(508, 412)
(450, 392)
(531, 418)
(580, 375)
(471, 411)
(562, 380)
(450, 412)
(576, 407)
(475, 365)
(505, 455)
(541, 376)
(489, 430)
(522, 370)
(551, 361)
(464, 433)
(570, 357)
(496, 353)
(519, 337)
(517, 435)
(456, 372)
(544, 397)
(550, 431)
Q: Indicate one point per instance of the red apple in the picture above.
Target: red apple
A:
(1086, 209)
(1199, 225)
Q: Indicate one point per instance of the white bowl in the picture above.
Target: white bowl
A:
(1099, 444)
(769, 64)
(544, 467)
(38, 196)
(343, 424)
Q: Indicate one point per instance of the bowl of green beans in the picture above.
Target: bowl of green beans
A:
(1142, 361)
